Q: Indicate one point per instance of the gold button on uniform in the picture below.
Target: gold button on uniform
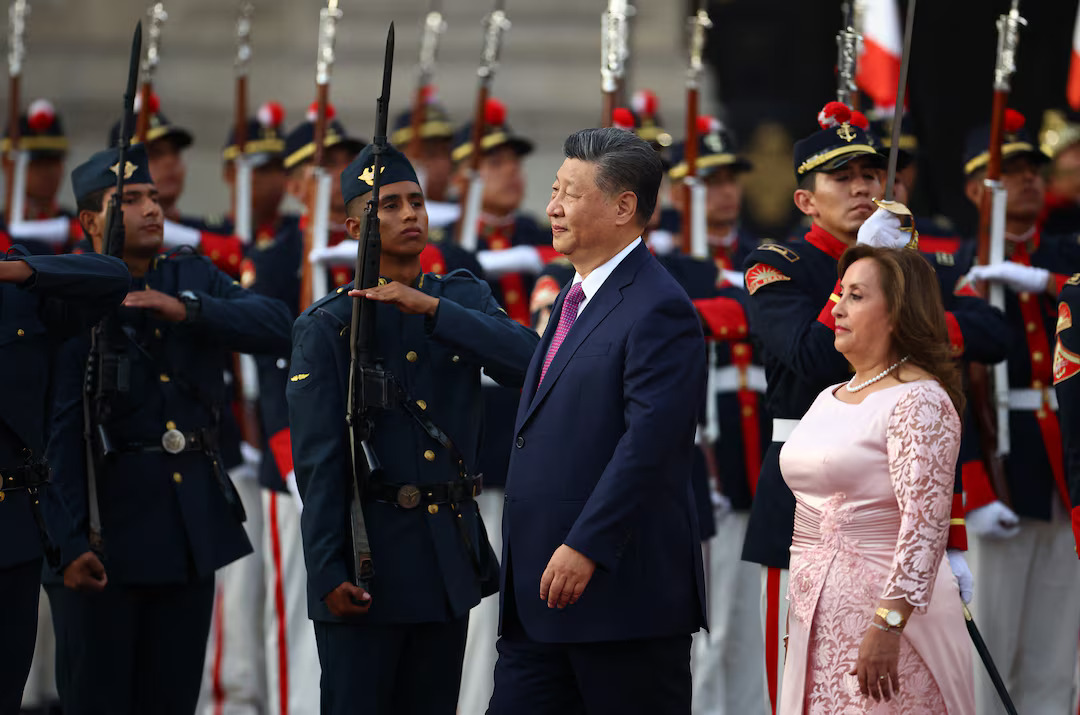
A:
(1037, 356)
(429, 455)
(432, 508)
(157, 332)
(1031, 327)
(163, 377)
(421, 404)
(3, 496)
(411, 356)
(170, 425)
(456, 358)
(20, 332)
(176, 477)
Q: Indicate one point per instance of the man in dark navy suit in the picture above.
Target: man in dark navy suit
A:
(600, 518)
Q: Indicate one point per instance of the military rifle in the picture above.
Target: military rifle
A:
(614, 28)
(108, 369)
(990, 393)
(15, 161)
(316, 236)
(371, 388)
(157, 16)
(434, 27)
(694, 230)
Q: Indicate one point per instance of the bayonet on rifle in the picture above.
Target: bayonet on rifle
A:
(156, 17)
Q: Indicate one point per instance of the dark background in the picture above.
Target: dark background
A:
(776, 60)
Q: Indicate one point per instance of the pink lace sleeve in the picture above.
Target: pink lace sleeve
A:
(923, 443)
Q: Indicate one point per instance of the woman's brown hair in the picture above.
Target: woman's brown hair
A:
(916, 312)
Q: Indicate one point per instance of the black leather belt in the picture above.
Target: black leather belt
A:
(174, 442)
(26, 476)
(410, 496)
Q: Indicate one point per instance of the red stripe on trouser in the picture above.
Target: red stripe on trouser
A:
(279, 607)
(772, 632)
(219, 649)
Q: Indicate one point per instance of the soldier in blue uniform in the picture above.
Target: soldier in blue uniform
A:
(132, 613)
(44, 227)
(43, 300)
(1025, 572)
(1067, 386)
(399, 649)
(792, 288)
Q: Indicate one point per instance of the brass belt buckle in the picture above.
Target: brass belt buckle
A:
(173, 441)
(408, 497)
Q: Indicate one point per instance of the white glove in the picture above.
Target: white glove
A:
(963, 574)
(883, 230)
(995, 520)
(53, 231)
(294, 490)
(343, 254)
(735, 278)
(516, 259)
(176, 234)
(721, 504)
(1017, 277)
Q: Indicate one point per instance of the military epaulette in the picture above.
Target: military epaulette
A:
(331, 296)
(456, 274)
(780, 248)
(179, 252)
(1074, 281)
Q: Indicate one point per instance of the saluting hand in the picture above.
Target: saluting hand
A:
(566, 576)
(348, 600)
(163, 305)
(86, 574)
(407, 299)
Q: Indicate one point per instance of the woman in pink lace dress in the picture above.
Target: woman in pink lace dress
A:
(875, 622)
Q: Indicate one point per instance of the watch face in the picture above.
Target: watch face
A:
(894, 618)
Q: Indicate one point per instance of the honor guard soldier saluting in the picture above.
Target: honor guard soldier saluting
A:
(135, 451)
(43, 299)
(1067, 385)
(792, 290)
(399, 648)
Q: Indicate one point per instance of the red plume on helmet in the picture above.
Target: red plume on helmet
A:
(833, 114)
(708, 125)
(494, 113)
(1014, 121)
(623, 118)
(40, 115)
(858, 119)
(270, 114)
(155, 103)
(645, 103)
(313, 112)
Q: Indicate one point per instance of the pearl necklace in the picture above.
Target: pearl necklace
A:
(880, 376)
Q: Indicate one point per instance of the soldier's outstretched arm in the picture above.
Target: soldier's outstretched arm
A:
(789, 324)
(240, 320)
(471, 322)
(985, 333)
(75, 291)
(320, 449)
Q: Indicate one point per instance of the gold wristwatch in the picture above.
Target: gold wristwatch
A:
(893, 619)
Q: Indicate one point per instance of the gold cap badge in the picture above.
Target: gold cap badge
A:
(129, 169)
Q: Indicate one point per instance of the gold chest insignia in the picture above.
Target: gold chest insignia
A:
(945, 259)
(129, 169)
(762, 274)
(846, 133)
(300, 376)
(368, 177)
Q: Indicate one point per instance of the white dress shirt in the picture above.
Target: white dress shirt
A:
(592, 283)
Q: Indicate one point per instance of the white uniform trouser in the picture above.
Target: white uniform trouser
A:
(478, 672)
(234, 676)
(1027, 607)
(728, 661)
(41, 682)
(774, 611)
(292, 659)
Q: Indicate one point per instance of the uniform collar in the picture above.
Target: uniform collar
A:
(825, 242)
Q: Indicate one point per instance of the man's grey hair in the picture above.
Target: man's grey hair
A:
(624, 162)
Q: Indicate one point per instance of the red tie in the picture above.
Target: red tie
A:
(566, 319)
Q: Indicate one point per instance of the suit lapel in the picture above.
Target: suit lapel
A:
(605, 300)
(533, 372)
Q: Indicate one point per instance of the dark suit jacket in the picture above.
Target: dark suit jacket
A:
(602, 460)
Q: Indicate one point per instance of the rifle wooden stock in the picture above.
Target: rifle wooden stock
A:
(691, 157)
(142, 124)
(608, 109)
(13, 148)
(477, 155)
(307, 275)
(416, 122)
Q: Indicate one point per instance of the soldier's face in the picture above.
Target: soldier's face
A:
(863, 325)
(1025, 187)
(434, 158)
(43, 178)
(723, 196)
(167, 168)
(1065, 176)
(841, 199)
(143, 221)
(403, 219)
(504, 182)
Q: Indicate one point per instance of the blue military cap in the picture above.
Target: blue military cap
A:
(837, 142)
(497, 133)
(300, 143)
(160, 127)
(716, 149)
(100, 171)
(265, 140)
(1016, 141)
(359, 176)
(435, 123)
(881, 129)
(40, 132)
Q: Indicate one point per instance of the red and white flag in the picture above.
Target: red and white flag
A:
(879, 64)
(1072, 89)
